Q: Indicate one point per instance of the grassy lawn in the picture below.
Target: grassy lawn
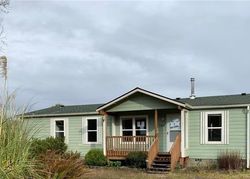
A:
(112, 173)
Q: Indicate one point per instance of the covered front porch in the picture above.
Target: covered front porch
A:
(142, 122)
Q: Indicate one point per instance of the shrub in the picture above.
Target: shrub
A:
(229, 160)
(114, 164)
(136, 159)
(95, 157)
(55, 165)
(40, 146)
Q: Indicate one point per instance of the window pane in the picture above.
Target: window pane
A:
(140, 123)
(141, 133)
(60, 134)
(173, 135)
(127, 133)
(214, 134)
(92, 124)
(59, 125)
(127, 124)
(214, 120)
(92, 136)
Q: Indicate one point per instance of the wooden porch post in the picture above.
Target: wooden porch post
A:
(156, 123)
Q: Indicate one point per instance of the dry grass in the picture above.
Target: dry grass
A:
(124, 173)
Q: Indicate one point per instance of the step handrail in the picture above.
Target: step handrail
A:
(152, 152)
(175, 151)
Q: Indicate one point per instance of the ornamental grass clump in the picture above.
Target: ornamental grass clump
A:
(60, 165)
(14, 144)
(230, 160)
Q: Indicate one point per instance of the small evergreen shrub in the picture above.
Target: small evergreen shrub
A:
(64, 165)
(40, 146)
(136, 159)
(114, 164)
(230, 160)
(95, 157)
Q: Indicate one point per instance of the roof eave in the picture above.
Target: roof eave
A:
(141, 91)
(220, 106)
(63, 114)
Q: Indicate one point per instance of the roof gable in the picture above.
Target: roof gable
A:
(127, 95)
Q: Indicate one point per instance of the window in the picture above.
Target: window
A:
(92, 130)
(214, 127)
(59, 128)
(140, 126)
(133, 126)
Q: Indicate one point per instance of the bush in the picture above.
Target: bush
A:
(115, 164)
(95, 157)
(40, 146)
(230, 160)
(66, 165)
(136, 159)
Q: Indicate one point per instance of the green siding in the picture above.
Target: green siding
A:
(76, 139)
(237, 136)
(39, 128)
(141, 102)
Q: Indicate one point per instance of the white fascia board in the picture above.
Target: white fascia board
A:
(64, 114)
(144, 92)
(220, 106)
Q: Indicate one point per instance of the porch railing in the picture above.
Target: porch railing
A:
(153, 151)
(120, 146)
(175, 151)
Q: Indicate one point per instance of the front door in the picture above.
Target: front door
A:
(173, 128)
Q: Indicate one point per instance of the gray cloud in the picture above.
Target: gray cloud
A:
(90, 52)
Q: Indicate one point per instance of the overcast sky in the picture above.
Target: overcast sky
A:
(78, 52)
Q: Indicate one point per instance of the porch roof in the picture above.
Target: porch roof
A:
(142, 91)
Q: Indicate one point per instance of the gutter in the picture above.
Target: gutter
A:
(248, 137)
(63, 114)
(220, 106)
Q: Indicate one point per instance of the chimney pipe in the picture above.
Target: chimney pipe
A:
(192, 96)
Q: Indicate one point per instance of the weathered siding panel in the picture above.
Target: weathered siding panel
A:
(237, 136)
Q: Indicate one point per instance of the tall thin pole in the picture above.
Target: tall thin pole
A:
(3, 65)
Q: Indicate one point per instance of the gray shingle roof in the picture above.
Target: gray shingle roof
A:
(91, 108)
(61, 109)
(218, 100)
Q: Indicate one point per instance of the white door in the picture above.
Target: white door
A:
(173, 128)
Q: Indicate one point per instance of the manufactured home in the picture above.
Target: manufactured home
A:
(185, 130)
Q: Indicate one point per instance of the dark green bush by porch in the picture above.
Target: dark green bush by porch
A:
(230, 160)
(136, 159)
(40, 146)
(95, 157)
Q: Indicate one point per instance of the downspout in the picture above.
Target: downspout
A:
(248, 137)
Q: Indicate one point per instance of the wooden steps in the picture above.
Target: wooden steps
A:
(161, 163)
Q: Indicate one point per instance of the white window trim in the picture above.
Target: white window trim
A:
(85, 120)
(65, 126)
(222, 128)
(133, 124)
